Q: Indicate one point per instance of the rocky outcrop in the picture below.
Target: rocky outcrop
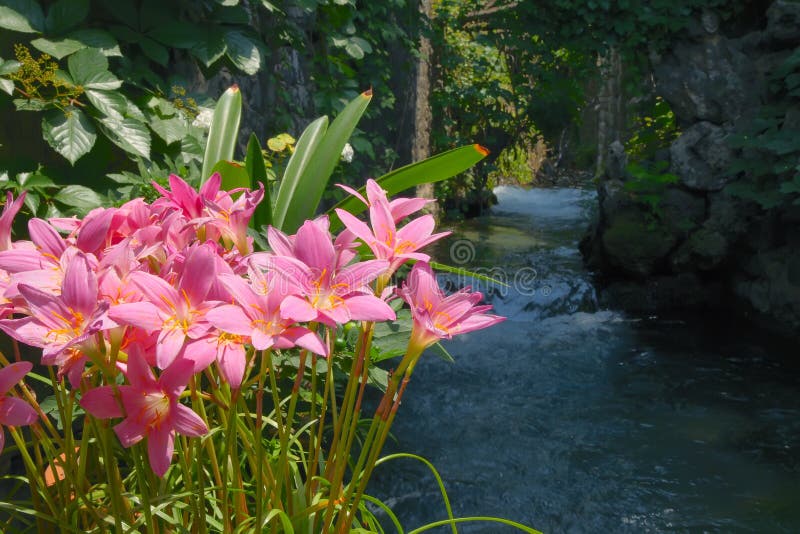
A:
(693, 243)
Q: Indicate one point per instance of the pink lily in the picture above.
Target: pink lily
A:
(257, 315)
(184, 198)
(14, 411)
(64, 322)
(178, 314)
(437, 316)
(400, 208)
(231, 218)
(333, 294)
(151, 409)
(384, 239)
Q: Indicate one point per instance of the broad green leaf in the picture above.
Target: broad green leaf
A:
(7, 86)
(79, 197)
(244, 51)
(23, 104)
(257, 170)
(234, 175)
(29, 180)
(102, 80)
(224, 130)
(191, 149)
(65, 14)
(434, 169)
(170, 130)
(69, 132)
(24, 16)
(154, 51)
(86, 64)
(304, 152)
(465, 272)
(110, 103)
(129, 134)
(304, 201)
(8, 66)
(178, 34)
(78, 40)
(211, 48)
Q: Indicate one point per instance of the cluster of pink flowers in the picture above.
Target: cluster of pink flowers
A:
(161, 291)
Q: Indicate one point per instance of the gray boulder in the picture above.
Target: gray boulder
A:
(701, 155)
(783, 21)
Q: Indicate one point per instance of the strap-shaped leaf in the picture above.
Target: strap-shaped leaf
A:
(434, 169)
(257, 170)
(305, 149)
(303, 203)
(224, 130)
(234, 175)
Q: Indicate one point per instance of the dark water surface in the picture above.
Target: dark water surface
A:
(569, 418)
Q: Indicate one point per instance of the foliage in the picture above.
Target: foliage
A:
(655, 130)
(647, 182)
(769, 146)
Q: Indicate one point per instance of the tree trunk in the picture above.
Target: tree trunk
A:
(421, 148)
(610, 109)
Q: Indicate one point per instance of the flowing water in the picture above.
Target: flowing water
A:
(570, 418)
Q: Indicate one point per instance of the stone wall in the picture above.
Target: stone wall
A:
(700, 246)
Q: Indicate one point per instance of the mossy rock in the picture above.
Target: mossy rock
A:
(634, 242)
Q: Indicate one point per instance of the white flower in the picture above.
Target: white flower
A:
(203, 119)
(347, 153)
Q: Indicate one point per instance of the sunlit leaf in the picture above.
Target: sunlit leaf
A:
(69, 132)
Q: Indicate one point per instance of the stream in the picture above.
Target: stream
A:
(571, 418)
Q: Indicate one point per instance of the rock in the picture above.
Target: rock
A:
(708, 81)
(774, 287)
(633, 244)
(700, 156)
(681, 211)
(617, 161)
(783, 21)
(682, 291)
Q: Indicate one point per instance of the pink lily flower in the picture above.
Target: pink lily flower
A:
(151, 409)
(176, 313)
(257, 316)
(231, 218)
(333, 294)
(61, 323)
(384, 239)
(14, 411)
(437, 316)
(400, 208)
(184, 198)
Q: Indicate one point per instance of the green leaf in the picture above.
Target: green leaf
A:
(304, 152)
(257, 171)
(246, 52)
(234, 175)
(65, 14)
(79, 197)
(170, 130)
(210, 49)
(434, 169)
(86, 63)
(310, 186)
(178, 34)
(154, 51)
(465, 272)
(69, 132)
(30, 180)
(129, 134)
(24, 16)
(9, 66)
(224, 130)
(7, 86)
(23, 104)
(78, 40)
(110, 103)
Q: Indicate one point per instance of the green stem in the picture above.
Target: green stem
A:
(141, 476)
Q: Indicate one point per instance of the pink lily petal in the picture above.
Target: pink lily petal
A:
(313, 247)
(157, 291)
(20, 260)
(47, 238)
(297, 309)
(403, 207)
(143, 315)
(140, 377)
(16, 412)
(160, 447)
(232, 364)
(27, 330)
(187, 422)
(261, 340)
(94, 229)
(170, 343)
(305, 338)
(198, 273)
(355, 225)
(230, 318)
(79, 289)
(129, 432)
(361, 274)
(101, 403)
(369, 308)
(11, 374)
(175, 378)
(201, 352)
(354, 193)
